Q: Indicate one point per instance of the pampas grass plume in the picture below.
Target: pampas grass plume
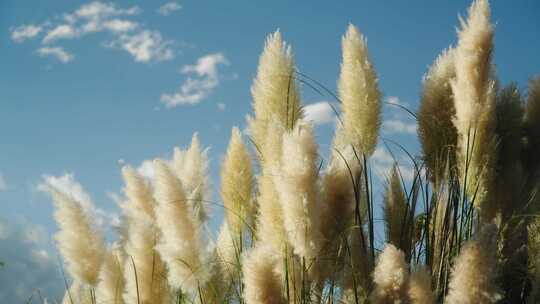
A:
(180, 244)
(274, 90)
(436, 131)
(474, 99)
(473, 274)
(296, 184)
(111, 278)
(359, 93)
(390, 276)
(237, 183)
(78, 241)
(262, 282)
(420, 287)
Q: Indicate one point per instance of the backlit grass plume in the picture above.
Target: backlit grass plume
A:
(270, 228)
(436, 131)
(80, 244)
(110, 288)
(396, 213)
(179, 245)
(474, 99)
(391, 276)
(297, 187)
(144, 271)
(474, 271)
(262, 282)
(359, 93)
(237, 184)
(420, 287)
(274, 90)
(191, 168)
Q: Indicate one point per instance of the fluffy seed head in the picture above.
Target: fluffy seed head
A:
(390, 277)
(359, 93)
(420, 287)
(191, 168)
(78, 241)
(111, 278)
(237, 183)
(296, 184)
(274, 90)
(436, 131)
(262, 283)
(138, 192)
(179, 246)
(474, 99)
(395, 212)
(473, 275)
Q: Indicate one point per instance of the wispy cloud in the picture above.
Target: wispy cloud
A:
(203, 79)
(400, 121)
(143, 44)
(56, 52)
(25, 251)
(398, 126)
(168, 8)
(319, 113)
(24, 32)
(382, 161)
(146, 46)
(63, 31)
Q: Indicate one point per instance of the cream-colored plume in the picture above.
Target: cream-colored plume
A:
(532, 125)
(274, 90)
(237, 184)
(420, 287)
(78, 293)
(474, 98)
(228, 250)
(296, 184)
(145, 273)
(395, 212)
(359, 93)
(79, 242)
(179, 245)
(262, 284)
(191, 167)
(111, 278)
(391, 276)
(138, 192)
(474, 272)
(337, 206)
(436, 131)
(270, 227)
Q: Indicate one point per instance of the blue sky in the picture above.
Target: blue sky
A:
(85, 84)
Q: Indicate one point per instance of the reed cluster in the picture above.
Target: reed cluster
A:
(302, 229)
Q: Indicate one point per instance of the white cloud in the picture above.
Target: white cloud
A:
(146, 46)
(168, 8)
(3, 183)
(398, 126)
(99, 9)
(195, 89)
(221, 106)
(56, 52)
(31, 263)
(119, 25)
(382, 162)
(319, 113)
(63, 31)
(99, 17)
(24, 32)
